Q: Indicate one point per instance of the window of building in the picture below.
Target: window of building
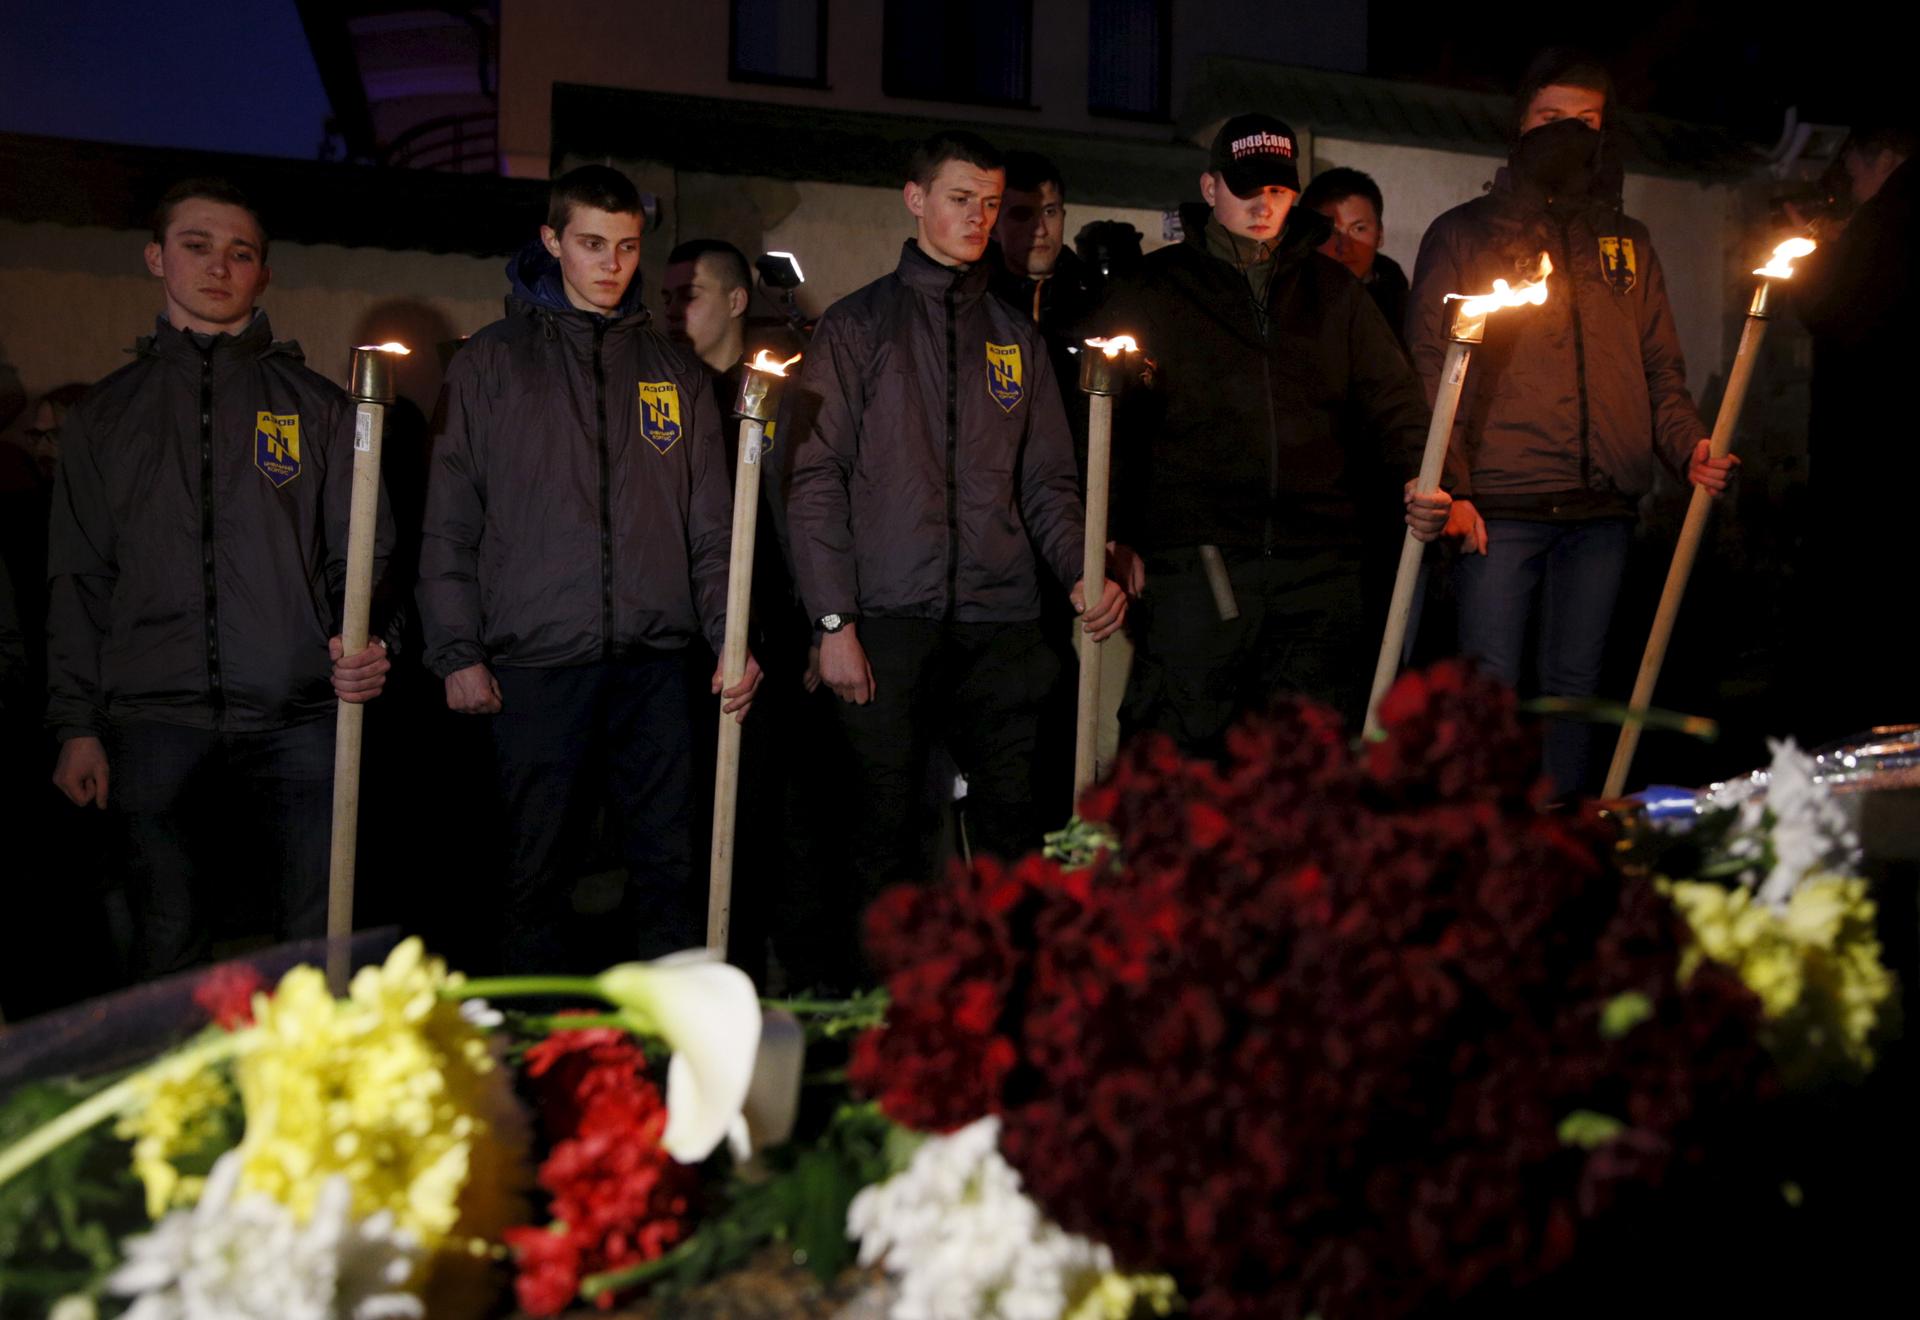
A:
(1129, 57)
(979, 52)
(779, 41)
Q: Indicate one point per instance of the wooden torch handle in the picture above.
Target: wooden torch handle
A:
(369, 425)
(1446, 403)
(1685, 551)
(1093, 578)
(733, 667)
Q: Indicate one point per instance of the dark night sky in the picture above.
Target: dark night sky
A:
(227, 74)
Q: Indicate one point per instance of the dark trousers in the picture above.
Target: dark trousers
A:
(1564, 578)
(1299, 631)
(563, 734)
(193, 801)
(978, 689)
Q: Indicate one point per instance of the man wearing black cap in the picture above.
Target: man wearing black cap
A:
(1281, 403)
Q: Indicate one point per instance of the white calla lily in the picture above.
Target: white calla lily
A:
(709, 1015)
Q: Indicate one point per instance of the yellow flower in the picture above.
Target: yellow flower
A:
(1117, 1296)
(391, 1089)
(1815, 967)
(181, 1112)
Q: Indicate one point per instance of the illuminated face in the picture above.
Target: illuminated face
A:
(1259, 217)
(598, 252)
(1356, 234)
(212, 264)
(1030, 229)
(1561, 102)
(956, 211)
(701, 311)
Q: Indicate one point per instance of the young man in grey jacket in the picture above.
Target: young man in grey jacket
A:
(196, 565)
(933, 499)
(576, 538)
(1570, 406)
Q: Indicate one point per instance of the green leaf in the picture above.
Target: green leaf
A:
(1623, 1013)
(1587, 1129)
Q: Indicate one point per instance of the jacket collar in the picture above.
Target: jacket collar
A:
(537, 289)
(1303, 232)
(924, 275)
(253, 340)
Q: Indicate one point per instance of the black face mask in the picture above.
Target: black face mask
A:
(1561, 159)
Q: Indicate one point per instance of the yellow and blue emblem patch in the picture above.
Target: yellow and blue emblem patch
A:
(660, 424)
(1616, 262)
(1003, 374)
(276, 446)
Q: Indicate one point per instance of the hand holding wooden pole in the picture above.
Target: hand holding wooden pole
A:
(372, 391)
(1103, 370)
(1469, 327)
(1699, 507)
(756, 405)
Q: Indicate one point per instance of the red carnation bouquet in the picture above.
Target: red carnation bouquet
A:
(1317, 1030)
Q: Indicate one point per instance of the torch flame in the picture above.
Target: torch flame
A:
(1530, 294)
(389, 347)
(1781, 266)
(1116, 346)
(765, 361)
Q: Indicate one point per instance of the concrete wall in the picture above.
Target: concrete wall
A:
(1693, 228)
(681, 46)
(73, 300)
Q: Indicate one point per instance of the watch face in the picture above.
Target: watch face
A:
(830, 622)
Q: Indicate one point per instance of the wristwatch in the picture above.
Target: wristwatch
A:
(833, 623)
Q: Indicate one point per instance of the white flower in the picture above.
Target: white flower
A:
(247, 1259)
(1795, 829)
(709, 1015)
(965, 1243)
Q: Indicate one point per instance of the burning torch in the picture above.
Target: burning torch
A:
(1694, 528)
(756, 405)
(1104, 367)
(1468, 329)
(372, 391)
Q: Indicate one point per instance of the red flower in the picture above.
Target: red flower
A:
(616, 1198)
(226, 994)
(1308, 1044)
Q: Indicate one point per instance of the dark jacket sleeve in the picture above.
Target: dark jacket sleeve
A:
(709, 515)
(1436, 273)
(1384, 392)
(82, 567)
(819, 507)
(1676, 423)
(1050, 480)
(456, 515)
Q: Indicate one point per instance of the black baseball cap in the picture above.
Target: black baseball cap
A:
(1252, 152)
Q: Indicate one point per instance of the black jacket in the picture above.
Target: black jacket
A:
(197, 554)
(1570, 405)
(578, 504)
(1250, 439)
(934, 458)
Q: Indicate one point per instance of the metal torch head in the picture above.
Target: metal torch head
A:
(373, 372)
(1106, 364)
(758, 398)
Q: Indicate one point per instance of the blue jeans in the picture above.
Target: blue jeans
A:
(1568, 576)
(193, 800)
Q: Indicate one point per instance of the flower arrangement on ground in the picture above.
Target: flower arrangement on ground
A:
(1322, 1030)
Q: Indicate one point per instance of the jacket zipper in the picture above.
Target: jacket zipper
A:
(1579, 356)
(606, 493)
(1263, 320)
(953, 457)
(216, 691)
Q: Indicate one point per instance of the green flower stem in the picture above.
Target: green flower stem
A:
(816, 1005)
(574, 1022)
(104, 1104)
(507, 987)
(613, 1280)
